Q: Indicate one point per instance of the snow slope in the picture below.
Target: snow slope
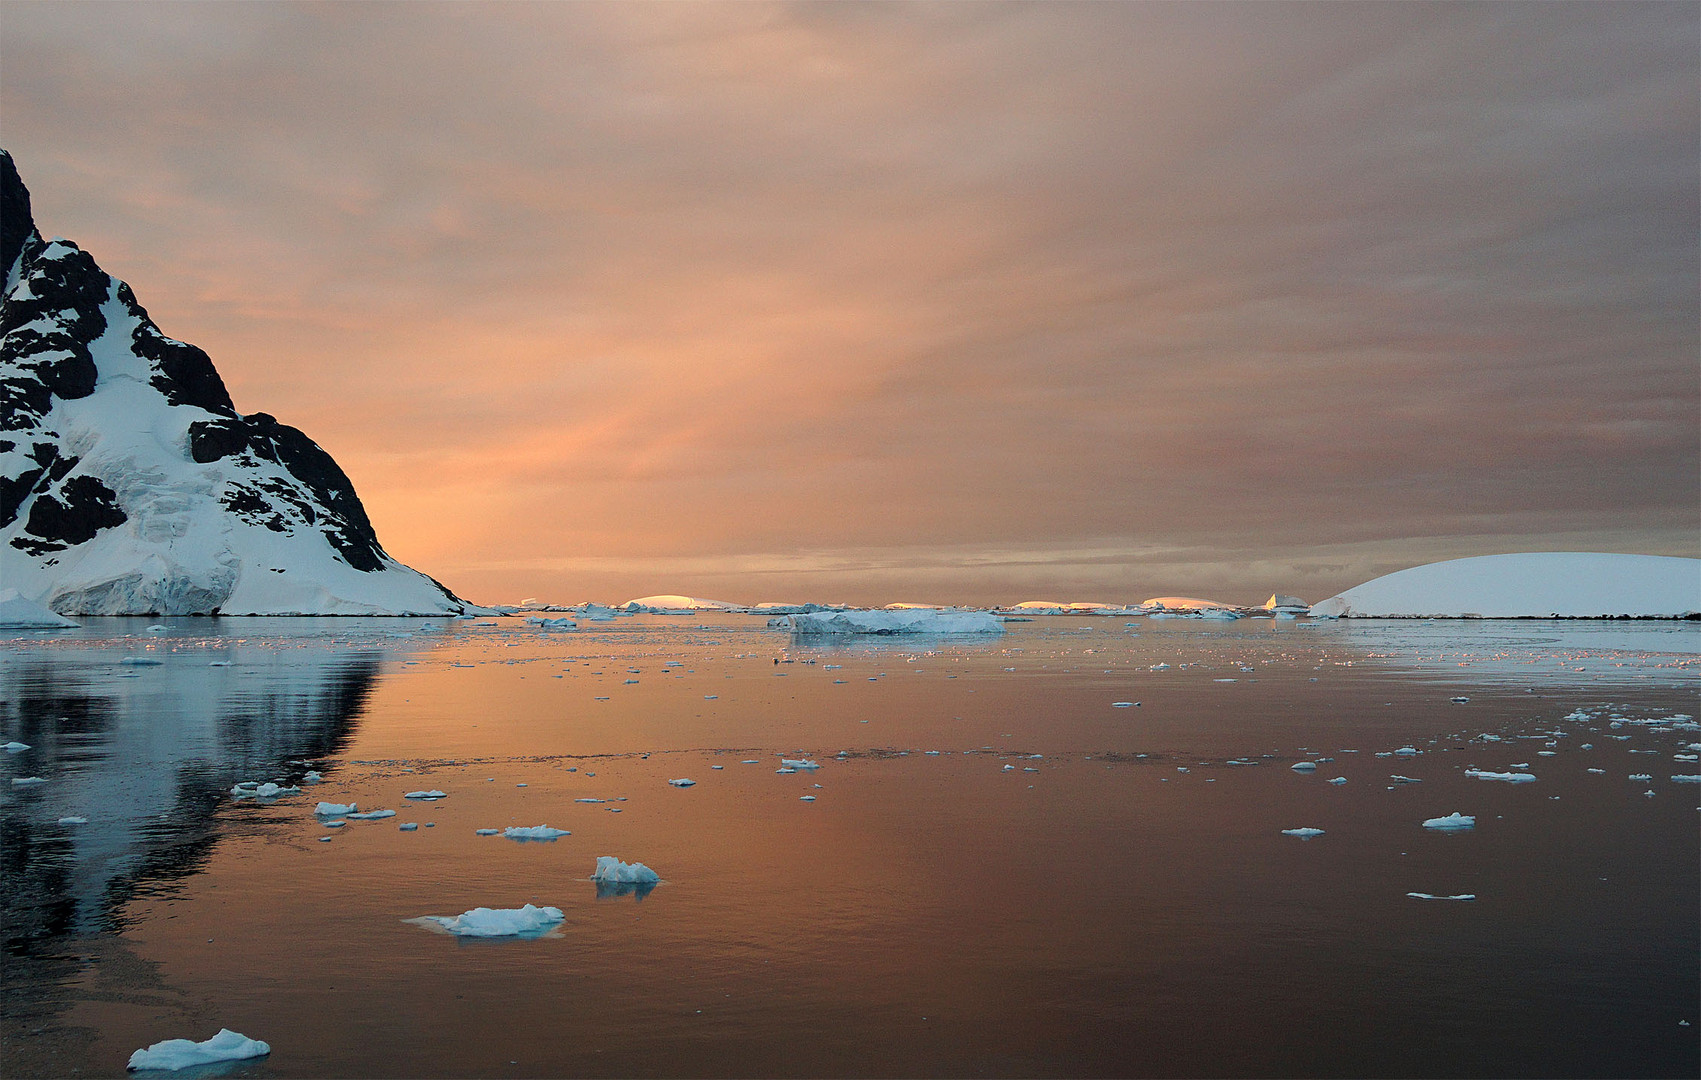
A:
(1543, 584)
(130, 485)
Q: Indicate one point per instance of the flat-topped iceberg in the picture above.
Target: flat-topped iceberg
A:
(528, 921)
(534, 832)
(174, 1054)
(1531, 585)
(1451, 821)
(901, 621)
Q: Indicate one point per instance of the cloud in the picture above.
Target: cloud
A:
(603, 282)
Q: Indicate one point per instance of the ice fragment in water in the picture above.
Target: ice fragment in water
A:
(372, 815)
(496, 922)
(1338, 780)
(15, 747)
(611, 869)
(1509, 777)
(141, 661)
(789, 769)
(1304, 834)
(534, 832)
(227, 1045)
(1432, 896)
(73, 821)
(1405, 780)
(487, 832)
(1406, 751)
(1304, 766)
(806, 798)
(27, 781)
(799, 763)
(589, 800)
(331, 809)
(1451, 821)
(268, 790)
(683, 781)
(408, 826)
(1684, 778)
(426, 795)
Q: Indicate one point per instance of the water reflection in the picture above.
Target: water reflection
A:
(147, 755)
(615, 890)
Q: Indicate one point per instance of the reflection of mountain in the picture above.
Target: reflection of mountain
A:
(148, 755)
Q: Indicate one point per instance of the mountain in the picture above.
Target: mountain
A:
(1529, 585)
(129, 483)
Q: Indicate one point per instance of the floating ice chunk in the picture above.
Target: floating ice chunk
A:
(372, 815)
(1406, 751)
(335, 824)
(750, 761)
(1122, 704)
(1634, 776)
(1159, 667)
(254, 790)
(27, 781)
(73, 821)
(15, 747)
(1303, 834)
(534, 832)
(799, 763)
(590, 800)
(1451, 821)
(1405, 780)
(530, 920)
(408, 826)
(888, 622)
(1338, 780)
(1597, 770)
(1685, 778)
(1509, 777)
(312, 777)
(613, 870)
(1460, 700)
(785, 769)
(1432, 896)
(487, 832)
(331, 809)
(158, 628)
(1009, 768)
(806, 798)
(1304, 766)
(1485, 737)
(227, 1045)
(426, 795)
(683, 781)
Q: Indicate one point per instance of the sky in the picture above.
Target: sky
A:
(959, 303)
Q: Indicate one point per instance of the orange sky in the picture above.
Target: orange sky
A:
(960, 303)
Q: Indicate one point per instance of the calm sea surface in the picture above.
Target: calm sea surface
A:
(1003, 871)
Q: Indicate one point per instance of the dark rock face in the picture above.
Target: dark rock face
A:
(259, 472)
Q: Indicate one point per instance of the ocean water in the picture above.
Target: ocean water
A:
(1002, 872)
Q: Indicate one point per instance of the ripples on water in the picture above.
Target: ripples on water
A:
(1002, 871)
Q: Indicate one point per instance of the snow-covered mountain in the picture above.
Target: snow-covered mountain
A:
(129, 483)
(1529, 585)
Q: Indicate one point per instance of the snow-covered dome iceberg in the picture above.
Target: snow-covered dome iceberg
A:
(129, 483)
(1532, 585)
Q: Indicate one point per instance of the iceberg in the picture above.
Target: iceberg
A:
(174, 1054)
(1303, 834)
(889, 622)
(27, 781)
(534, 832)
(372, 815)
(1509, 777)
(674, 604)
(1432, 896)
(16, 612)
(331, 809)
(15, 747)
(426, 795)
(683, 781)
(1451, 821)
(800, 763)
(528, 921)
(1530, 585)
(254, 790)
(611, 869)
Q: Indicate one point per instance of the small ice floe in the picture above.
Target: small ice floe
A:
(158, 628)
(534, 832)
(332, 809)
(612, 870)
(528, 921)
(1405, 779)
(174, 1054)
(73, 821)
(1304, 766)
(1686, 778)
(1597, 770)
(806, 798)
(1509, 777)
(1406, 751)
(1432, 896)
(15, 747)
(335, 823)
(1451, 821)
(590, 800)
(1338, 780)
(1633, 776)
(27, 781)
(788, 769)
(1009, 768)
(487, 832)
(426, 795)
(683, 781)
(799, 763)
(253, 789)
(1303, 834)
(408, 826)
(1486, 737)
(750, 761)
(1122, 704)
(1158, 667)
(312, 777)
(140, 661)
(218, 663)
(372, 815)
(1460, 700)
